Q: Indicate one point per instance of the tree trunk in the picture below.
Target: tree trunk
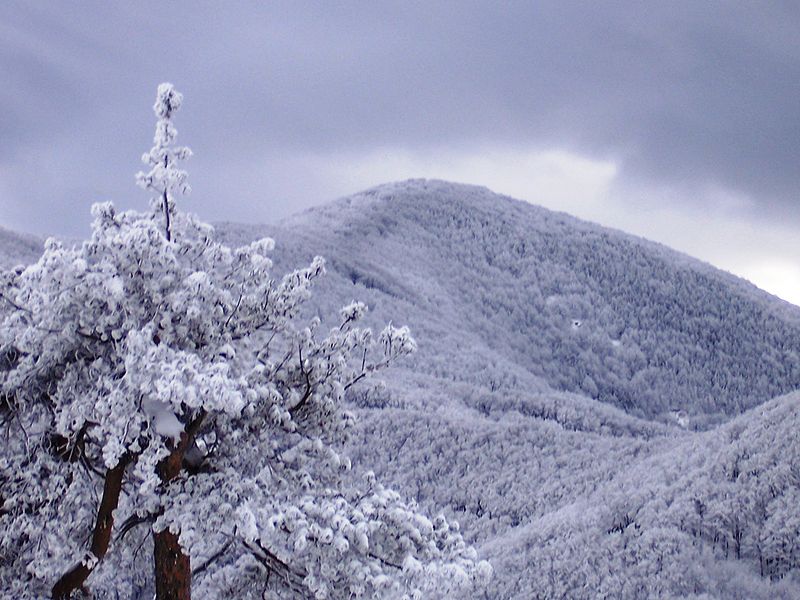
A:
(74, 578)
(173, 571)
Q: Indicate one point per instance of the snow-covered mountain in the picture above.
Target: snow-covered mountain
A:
(604, 416)
(514, 291)
(18, 248)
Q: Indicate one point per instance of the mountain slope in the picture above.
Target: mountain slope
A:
(540, 408)
(583, 308)
(681, 522)
(17, 248)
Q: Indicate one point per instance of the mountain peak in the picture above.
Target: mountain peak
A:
(587, 309)
(562, 370)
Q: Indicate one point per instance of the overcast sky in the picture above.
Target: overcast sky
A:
(678, 121)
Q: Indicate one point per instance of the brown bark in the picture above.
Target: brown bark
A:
(173, 571)
(74, 578)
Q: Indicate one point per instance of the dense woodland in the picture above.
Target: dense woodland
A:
(173, 424)
(591, 413)
(586, 309)
(566, 489)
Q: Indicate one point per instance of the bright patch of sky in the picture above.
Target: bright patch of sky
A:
(726, 235)
(553, 178)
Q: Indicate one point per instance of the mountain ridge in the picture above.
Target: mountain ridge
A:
(18, 248)
(581, 307)
(394, 191)
(542, 410)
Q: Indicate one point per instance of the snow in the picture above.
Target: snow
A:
(163, 420)
(492, 420)
(568, 454)
(18, 249)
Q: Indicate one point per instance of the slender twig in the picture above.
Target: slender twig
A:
(202, 567)
(131, 522)
(14, 304)
(235, 308)
(165, 198)
(383, 561)
(292, 577)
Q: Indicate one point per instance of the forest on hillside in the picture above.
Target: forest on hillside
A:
(468, 397)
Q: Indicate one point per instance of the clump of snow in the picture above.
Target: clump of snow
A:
(163, 420)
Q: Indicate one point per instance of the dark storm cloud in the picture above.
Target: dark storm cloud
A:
(679, 94)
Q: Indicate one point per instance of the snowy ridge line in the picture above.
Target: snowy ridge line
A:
(601, 416)
(562, 303)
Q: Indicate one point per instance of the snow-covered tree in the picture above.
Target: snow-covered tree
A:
(154, 380)
(164, 177)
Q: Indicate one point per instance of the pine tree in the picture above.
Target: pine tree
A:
(155, 378)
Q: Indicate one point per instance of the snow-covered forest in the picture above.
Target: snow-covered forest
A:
(579, 413)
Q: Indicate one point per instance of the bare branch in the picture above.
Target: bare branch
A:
(292, 577)
(202, 567)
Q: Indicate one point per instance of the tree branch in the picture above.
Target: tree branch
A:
(293, 578)
(14, 304)
(74, 578)
(200, 569)
(173, 573)
(385, 562)
(132, 522)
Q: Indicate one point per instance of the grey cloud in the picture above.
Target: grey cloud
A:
(680, 93)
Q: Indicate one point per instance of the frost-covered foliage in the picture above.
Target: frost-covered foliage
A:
(565, 494)
(158, 383)
(712, 515)
(584, 308)
(164, 177)
(535, 475)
